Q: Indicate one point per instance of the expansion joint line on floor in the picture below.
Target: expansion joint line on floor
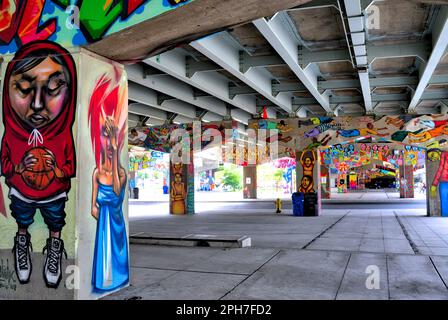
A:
(250, 275)
(387, 277)
(323, 232)
(343, 276)
(437, 270)
(406, 234)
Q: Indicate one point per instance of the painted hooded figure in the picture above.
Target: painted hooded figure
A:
(37, 154)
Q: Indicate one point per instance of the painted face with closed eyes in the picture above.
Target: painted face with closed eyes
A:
(39, 95)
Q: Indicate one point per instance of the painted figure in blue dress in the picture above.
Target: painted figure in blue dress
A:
(107, 120)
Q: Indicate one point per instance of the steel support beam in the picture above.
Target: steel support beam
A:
(287, 87)
(365, 89)
(192, 66)
(147, 111)
(439, 79)
(390, 97)
(240, 116)
(223, 50)
(353, 99)
(393, 82)
(172, 87)
(214, 83)
(444, 106)
(148, 97)
(161, 98)
(199, 93)
(356, 24)
(285, 42)
(154, 122)
(421, 50)
(338, 84)
(210, 116)
(182, 119)
(247, 61)
(302, 112)
(240, 90)
(435, 95)
(440, 43)
(306, 57)
(348, 84)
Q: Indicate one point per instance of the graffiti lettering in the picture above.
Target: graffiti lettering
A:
(22, 20)
(7, 279)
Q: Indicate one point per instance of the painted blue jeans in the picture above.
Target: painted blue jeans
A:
(53, 213)
(443, 191)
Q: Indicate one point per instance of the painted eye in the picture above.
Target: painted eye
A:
(24, 89)
(55, 86)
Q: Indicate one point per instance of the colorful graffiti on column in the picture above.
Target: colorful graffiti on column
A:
(441, 182)
(72, 23)
(308, 161)
(420, 133)
(107, 116)
(178, 189)
(37, 154)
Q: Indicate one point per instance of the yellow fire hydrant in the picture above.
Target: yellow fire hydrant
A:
(278, 205)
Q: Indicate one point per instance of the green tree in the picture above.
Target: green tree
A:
(232, 180)
(278, 175)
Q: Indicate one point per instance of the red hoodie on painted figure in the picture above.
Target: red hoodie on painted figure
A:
(442, 172)
(56, 136)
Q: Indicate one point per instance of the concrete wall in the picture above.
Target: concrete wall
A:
(96, 72)
(93, 89)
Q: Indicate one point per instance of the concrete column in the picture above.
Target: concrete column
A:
(308, 174)
(88, 180)
(433, 199)
(250, 182)
(326, 187)
(406, 173)
(182, 188)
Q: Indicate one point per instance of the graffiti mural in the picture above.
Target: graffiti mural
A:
(178, 189)
(159, 137)
(107, 116)
(424, 136)
(37, 154)
(307, 161)
(72, 23)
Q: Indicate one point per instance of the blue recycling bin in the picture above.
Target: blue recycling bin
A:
(298, 203)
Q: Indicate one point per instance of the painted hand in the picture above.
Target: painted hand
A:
(27, 164)
(50, 160)
(95, 212)
(433, 191)
(111, 130)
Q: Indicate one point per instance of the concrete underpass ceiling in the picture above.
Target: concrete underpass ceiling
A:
(399, 53)
(319, 28)
(401, 20)
(337, 70)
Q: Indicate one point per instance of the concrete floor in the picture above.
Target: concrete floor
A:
(218, 196)
(322, 257)
(374, 195)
